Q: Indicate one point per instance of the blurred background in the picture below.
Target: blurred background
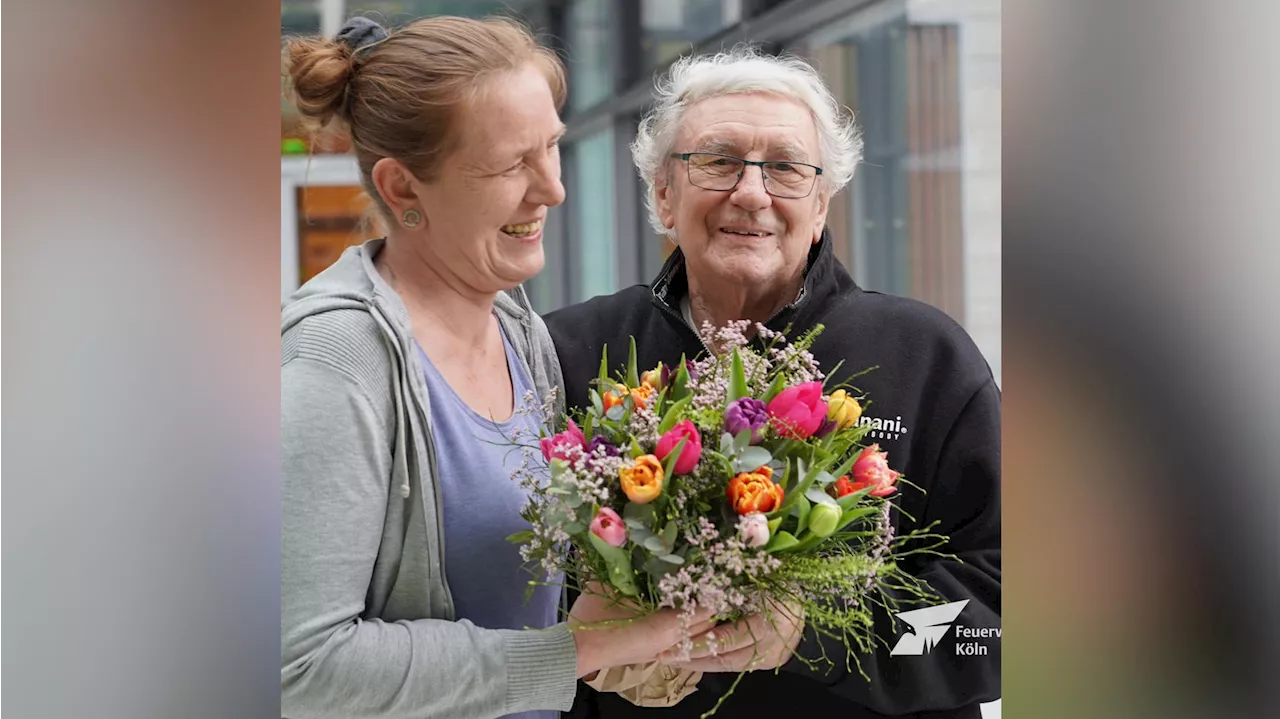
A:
(920, 219)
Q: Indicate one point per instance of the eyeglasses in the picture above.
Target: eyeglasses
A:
(722, 173)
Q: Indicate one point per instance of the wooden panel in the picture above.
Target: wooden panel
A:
(330, 219)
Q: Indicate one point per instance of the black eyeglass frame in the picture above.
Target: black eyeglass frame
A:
(748, 163)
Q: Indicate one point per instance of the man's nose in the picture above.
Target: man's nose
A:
(750, 193)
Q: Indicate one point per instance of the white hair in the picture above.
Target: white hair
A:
(744, 69)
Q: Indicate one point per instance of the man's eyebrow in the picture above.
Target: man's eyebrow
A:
(788, 151)
(723, 147)
(782, 151)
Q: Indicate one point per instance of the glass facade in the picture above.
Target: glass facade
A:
(592, 206)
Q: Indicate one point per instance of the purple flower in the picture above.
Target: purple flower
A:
(746, 413)
(825, 428)
(610, 449)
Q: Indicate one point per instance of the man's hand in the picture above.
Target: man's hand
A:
(760, 641)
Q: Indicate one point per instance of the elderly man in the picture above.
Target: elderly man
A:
(742, 155)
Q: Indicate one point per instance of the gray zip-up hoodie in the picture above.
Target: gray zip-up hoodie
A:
(367, 626)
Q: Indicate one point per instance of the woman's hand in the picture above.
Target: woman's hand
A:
(631, 639)
(760, 641)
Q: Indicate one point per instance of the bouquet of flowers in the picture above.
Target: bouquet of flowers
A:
(736, 482)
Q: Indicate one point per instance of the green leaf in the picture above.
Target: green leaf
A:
(786, 478)
(615, 413)
(633, 374)
(669, 536)
(726, 445)
(636, 451)
(853, 514)
(654, 544)
(752, 458)
(596, 403)
(817, 495)
(849, 500)
(604, 365)
(802, 514)
(779, 383)
(675, 559)
(521, 537)
(680, 383)
(641, 512)
(669, 465)
(618, 560)
(737, 378)
(673, 415)
(778, 542)
(825, 478)
(773, 525)
(742, 440)
(574, 527)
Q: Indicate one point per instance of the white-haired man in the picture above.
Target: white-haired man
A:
(742, 154)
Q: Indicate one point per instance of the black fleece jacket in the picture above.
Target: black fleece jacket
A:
(935, 408)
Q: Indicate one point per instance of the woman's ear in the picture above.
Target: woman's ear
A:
(395, 184)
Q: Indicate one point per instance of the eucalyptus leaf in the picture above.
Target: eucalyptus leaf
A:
(675, 559)
(573, 527)
(615, 412)
(726, 445)
(742, 440)
(641, 512)
(825, 478)
(669, 535)
(818, 495)
(596, 403)
(574, 500)
(655, 544)
(752, 458)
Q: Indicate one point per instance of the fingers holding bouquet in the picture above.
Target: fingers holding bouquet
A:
(765, 640)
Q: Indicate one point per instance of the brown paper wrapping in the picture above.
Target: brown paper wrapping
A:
(648, 685)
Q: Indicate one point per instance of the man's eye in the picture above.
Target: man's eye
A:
(783, 167)
(514, 168)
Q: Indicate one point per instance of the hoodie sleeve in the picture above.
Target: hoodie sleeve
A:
(964, 497)
(335, 662)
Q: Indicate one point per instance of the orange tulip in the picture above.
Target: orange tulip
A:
(642, 481)
(614, 397)
(642, 394)
(754, 492)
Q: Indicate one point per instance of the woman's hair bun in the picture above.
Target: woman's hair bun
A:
(320, 69)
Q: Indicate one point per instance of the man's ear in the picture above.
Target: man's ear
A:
(664, 203)
(820, 218)
(394, 183)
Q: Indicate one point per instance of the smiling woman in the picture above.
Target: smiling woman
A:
(403, 368)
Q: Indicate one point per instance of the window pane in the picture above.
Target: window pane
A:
(673, 27)
(593, 203)
(590, 64)
(922, 216)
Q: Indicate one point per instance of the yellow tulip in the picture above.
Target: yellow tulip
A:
(843, 409)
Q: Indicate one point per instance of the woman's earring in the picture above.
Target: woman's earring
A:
(412, 218)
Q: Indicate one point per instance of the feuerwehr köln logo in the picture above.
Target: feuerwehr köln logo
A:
(930, 625)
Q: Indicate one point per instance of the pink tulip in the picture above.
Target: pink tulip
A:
(871, 469)
(798, 411)
(608, 526)
(557, 446)
(692, 451)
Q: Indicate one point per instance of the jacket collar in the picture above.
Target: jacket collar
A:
(823, 276)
